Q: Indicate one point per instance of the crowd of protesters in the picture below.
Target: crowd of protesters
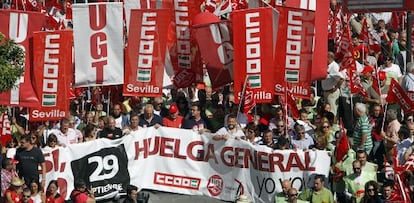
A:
(380, 133)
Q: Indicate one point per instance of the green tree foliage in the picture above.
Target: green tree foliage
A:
(11, 63)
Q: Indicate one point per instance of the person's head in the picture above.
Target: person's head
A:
(280, 126)
(282, 143)
(80, 185)
(268, 137)
(367, 72)
(102, 122)
(371, 188)
(53, 187)
(26, 195)
(52, 140)
(391, 115)
(292, 195)
(64, 125)
(325, 127)
(111, 122)
(360, 109)
(132, 192)
(300, 131)
(402, 38)
(251, 130)
(90, 132)
(88, 117)
(286, 185)
(387, 189)
(303, 114)
(318, 182)
(409, 118)
(231, 121)
(72, 121)
(362, 157)
(355, 39)
(196, 110)
(158, 102)
(35, 186)
(8, 164)
(321, 143)
(149, 110)
(404, 132)
(376, 110)
(327, 107)
(16, 183)
(331, 57)
(388, 61)
(134, 120)
(356, 167)
(26, 142)
(173, 111)
(116, 110)
(279, 114)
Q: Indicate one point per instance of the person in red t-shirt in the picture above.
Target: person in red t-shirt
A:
(26, 196)
(81, 194)
(360, 50)
(52, 195)
(14, 193)
(173, 120)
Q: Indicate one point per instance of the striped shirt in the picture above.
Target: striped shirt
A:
(363, 127)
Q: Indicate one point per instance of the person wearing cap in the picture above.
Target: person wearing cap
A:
(367, 83)
(8, 172)
(173, 119)
(393, 71)
(14, 193)
(407, 83)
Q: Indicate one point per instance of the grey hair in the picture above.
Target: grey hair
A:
(361, 107)
(410, 67)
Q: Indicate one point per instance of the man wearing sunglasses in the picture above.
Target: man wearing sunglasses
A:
(293, 196)
(354, 183)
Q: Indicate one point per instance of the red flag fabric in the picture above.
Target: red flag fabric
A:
(293, 56)
(397, 94)
(216, 48)
(253, 58)
(342, 145)
(355, 83)
(185, 58)
(17, 26)
(291, 102)
(144, 70)
(5, 131)
(321, 8)
(395, 21)
(248, 100)
(364, 36)
(52, 53)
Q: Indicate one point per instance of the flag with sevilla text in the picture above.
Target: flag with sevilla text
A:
(19, 26)
(397, 95)
(253, 41)
(147, 43)
(293, 58)
(321, 8)
(53, 75)
(216, 47)
(99, 46)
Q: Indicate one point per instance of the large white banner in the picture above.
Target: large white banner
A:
(99, 46)
(183, 161)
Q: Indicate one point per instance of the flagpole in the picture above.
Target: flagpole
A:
(385, 115)
(242, 96)
(109, 101)
(286, 109)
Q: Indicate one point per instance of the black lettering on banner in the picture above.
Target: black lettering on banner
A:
(268, 184)
(105, 170)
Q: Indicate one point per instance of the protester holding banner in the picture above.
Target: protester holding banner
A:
(148, 118)
(111, 131)
(65, 134)
(173, 119)
(231, 131)
(195, 122)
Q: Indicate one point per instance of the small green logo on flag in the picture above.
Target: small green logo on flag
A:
(49, 99)
(144, 75)
(255, 81)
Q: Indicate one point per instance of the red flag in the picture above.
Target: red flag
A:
(364, 36)
(5, 130)
(342, 145)
(370, 37)
(253, 55)
(215, 43)
(248, 100)
(291, 102)
(19, 26)
(293, 56)
(144, 70)
(355, 83)
(184, 54)
(409, 164)
(345, 50)
(52, 53)
(397, 94)
(395, 21)
(402, 188)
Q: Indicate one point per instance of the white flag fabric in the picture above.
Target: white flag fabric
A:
(98, 37)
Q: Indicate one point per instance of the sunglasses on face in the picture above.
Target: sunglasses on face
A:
(293, 195)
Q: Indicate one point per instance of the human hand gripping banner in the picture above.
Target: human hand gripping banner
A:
(185, 162)
(98, 39)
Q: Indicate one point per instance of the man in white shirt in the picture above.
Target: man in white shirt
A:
(232, 130)
(407, 83)
(331, 84)
(65, 134)
(392, 70)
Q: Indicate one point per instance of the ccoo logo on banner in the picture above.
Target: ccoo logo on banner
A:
(53, 75)
(17, 26)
